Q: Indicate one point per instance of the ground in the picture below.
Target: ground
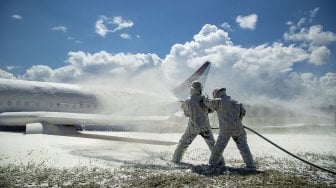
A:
(45, 160)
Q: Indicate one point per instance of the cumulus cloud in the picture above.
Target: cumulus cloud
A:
(186, 57)
(17, 17)
(318, 90)
(116, 23)
(84, 66)
(319, 55)
(39, 73)
(264, 70)
(215, 45)
(5, 74)
(247, 22)
(313, 35)
(312, 38)
(248, 73)
(60, 28)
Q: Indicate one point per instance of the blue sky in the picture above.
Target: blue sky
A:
(159, 25)
(56, 34)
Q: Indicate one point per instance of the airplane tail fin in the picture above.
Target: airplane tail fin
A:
(201, 74)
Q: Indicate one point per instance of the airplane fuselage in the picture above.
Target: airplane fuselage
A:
(21, 96)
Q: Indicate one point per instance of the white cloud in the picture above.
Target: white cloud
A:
(226, 26)
(125, 36)
(215, 45)
(17, 17)
(313, 14)
(60, 28)
(5, 74)
(84, 66)
(295, 27)
(328, 85)
(312, 38)
(301, 22)
(264, 59)
(314, 35)
(319, 90)
(117, 23)
(39, 73)
(121, 23)
(289, 23)
(10, 68)
(76, 41)
(264, 70)
(247, 22)
(101, 29)
(186, 57)
(319, 55)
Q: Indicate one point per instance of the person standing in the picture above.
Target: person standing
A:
(230, 114)
(198, 123)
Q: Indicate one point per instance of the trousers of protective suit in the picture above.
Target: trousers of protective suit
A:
(241, 142)
(188, 137)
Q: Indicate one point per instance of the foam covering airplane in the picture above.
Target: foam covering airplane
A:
(62, 109)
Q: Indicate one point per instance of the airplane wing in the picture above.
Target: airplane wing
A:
(67, 118)
(63, 124)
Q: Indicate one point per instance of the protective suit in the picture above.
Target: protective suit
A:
(230, 114)
(198, 123)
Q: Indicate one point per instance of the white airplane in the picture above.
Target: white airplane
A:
(62, 109)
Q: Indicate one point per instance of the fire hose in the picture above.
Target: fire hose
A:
(286, 151)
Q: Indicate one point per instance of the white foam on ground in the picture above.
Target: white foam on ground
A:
(61, 151)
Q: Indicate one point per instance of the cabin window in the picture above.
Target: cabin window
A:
(18, 103)
(26, 103)
(9, 103)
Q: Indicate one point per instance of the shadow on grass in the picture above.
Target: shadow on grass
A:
(207, 170)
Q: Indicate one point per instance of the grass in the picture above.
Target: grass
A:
(275, 173)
